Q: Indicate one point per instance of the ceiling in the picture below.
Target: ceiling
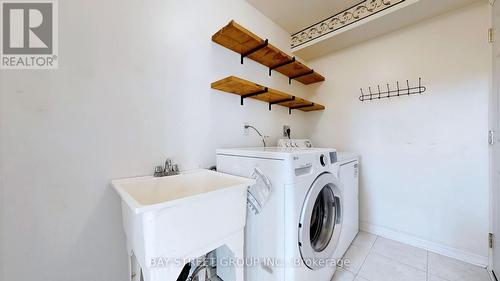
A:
(295, 15)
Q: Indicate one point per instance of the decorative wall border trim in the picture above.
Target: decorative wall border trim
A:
(341, 20)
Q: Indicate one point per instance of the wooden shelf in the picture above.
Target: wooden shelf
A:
(235, 37)
(247, 89)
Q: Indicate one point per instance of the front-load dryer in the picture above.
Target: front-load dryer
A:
(346, 170)
(296, 230)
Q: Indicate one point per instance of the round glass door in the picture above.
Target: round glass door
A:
(321, 222)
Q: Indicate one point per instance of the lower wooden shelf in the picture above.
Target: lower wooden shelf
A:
(246, 89)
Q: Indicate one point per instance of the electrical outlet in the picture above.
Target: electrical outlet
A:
(285, 131)
(245, 130)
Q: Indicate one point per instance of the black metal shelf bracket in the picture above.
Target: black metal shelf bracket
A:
(246, 54)
(281, 101)
(300, 75)
(280, 65)
(299, 107)
(254, 94)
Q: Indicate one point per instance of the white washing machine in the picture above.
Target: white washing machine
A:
(294, 232)
(347, 172)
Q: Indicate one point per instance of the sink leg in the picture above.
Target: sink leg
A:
(134, 269)
(169, 273)
(236, 245)
(130, 268)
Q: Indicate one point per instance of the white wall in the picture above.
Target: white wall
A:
(133, 87)
(424, 172)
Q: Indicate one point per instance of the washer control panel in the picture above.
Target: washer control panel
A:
(295, 143)
(306, 143)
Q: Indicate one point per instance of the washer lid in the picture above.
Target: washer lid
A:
(280, 153)
(320, 222)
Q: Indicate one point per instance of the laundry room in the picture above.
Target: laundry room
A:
(163, 140)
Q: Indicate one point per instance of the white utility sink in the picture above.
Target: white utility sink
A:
(169, 221)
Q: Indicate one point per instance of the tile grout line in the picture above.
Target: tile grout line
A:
(372, 250)
(427, 273)
(364, 261)
(397, 261)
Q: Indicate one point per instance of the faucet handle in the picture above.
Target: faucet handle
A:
(159, 171)
(175, 168)
(168, 165)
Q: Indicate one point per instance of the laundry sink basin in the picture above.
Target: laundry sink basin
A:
(180, 217)
(145, 194)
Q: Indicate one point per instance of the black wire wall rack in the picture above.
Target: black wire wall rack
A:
(391, 93)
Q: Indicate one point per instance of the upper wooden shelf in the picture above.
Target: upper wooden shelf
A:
(235, 37)
(247, 89)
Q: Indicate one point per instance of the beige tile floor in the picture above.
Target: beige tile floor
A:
(373, 258)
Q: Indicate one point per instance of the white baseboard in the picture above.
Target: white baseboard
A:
(424, 244)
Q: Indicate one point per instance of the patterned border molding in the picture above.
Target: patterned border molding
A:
(343, 19)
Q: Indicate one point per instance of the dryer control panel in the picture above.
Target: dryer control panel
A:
(306, 143)
(295, 143)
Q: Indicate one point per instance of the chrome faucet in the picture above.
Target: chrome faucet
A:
(169, 169)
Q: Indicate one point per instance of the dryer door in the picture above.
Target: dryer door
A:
(321, 222)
